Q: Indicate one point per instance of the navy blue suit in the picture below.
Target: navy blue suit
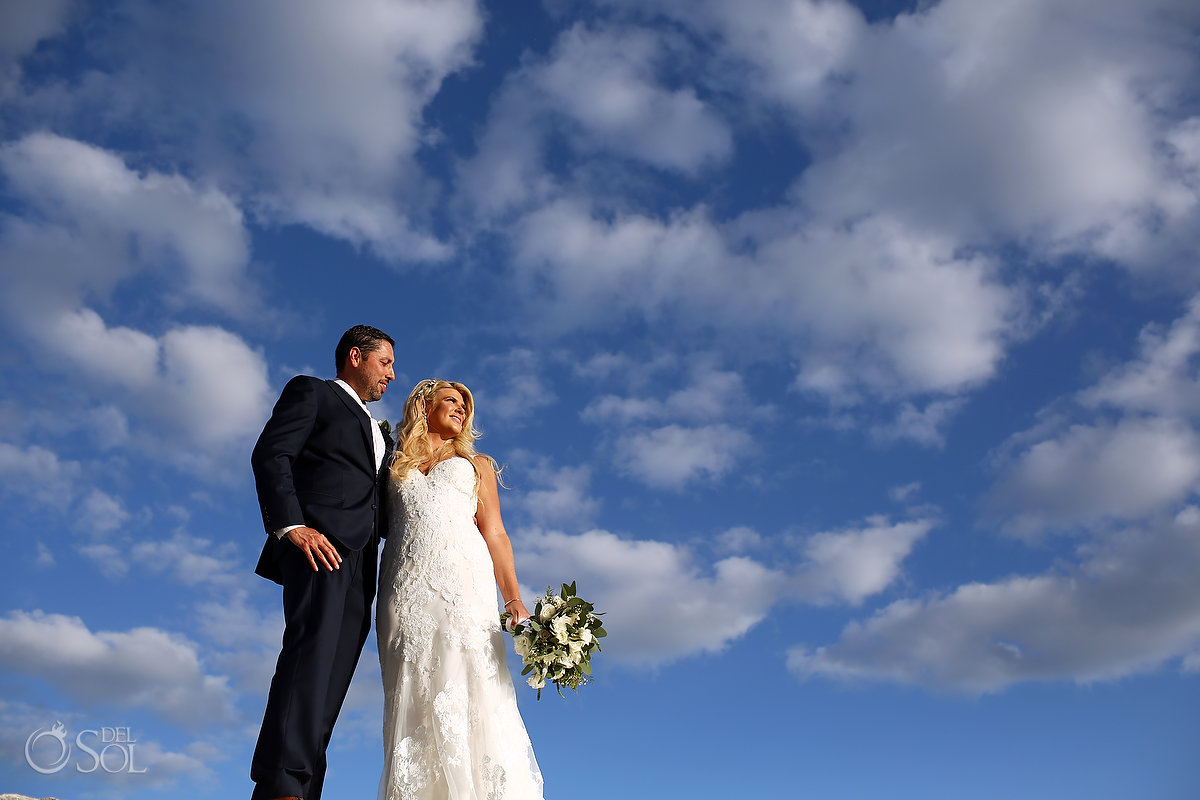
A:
(314, 465)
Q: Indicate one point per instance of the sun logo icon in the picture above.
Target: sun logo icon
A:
(57, 732)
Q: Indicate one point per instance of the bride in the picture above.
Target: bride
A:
(451, 729)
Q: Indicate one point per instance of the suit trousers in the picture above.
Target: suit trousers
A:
(327, 616)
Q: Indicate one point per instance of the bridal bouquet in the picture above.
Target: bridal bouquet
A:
(557, 642)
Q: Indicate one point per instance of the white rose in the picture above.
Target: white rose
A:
(521, 645)
(585, 636)
(536, 681)
(548, 611)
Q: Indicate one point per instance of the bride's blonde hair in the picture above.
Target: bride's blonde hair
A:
(413, 449)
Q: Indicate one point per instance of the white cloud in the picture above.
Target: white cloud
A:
(38, 474)
(864, 298)
(201, 384)
(739, 540)
(877, 273)
(189, 560)
(507, 173)
(794, 46)
(122, 355)
(854, 564)
(212, 385)
(1054, 123)
(1163, 379)
(145, 666)
(98, 225)
(25, 23)
(632, 263)
(899, 311)
(560, 496)
(516, 389)
(246, 636)
(660, 605)
(313, 112)
(1137, 456)
(1091, 473)
(101, 513)
(672, 456)
(658, 433)
(600, 366)
(45, 556)
(921, 425)
(102, 222)
(1131, 605)
(707, 394)
(901, 493)
(108, 558)
(604, 81)
(611, 94)
(106, 425)
(785, 51)
(664, 603)
(610, 409)
(1039, 121)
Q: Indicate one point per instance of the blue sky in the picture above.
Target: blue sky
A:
(847, 355)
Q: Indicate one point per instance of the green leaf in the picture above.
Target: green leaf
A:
(527, 670)
(587, 667)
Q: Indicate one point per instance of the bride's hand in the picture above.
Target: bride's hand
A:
(519, 613)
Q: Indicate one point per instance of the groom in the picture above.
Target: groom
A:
(317, 467)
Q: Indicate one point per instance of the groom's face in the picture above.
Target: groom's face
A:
(372, 371)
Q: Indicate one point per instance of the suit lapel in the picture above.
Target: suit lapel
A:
(364, 421)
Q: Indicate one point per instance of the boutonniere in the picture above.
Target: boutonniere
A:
(386, 428)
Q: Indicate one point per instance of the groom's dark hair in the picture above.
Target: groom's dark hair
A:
(365, 338)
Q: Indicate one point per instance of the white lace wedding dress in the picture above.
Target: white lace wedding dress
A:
(451, 729)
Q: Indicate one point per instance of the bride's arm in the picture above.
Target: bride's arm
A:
(491, 525)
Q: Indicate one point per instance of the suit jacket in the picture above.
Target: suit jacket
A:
(314, 465)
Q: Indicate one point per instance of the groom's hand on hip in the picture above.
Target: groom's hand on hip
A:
(316, 547)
